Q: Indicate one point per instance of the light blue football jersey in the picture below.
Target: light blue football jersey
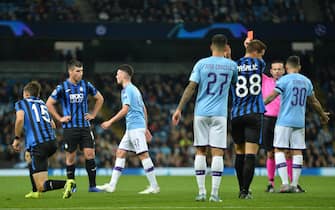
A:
(214, 76)
(294, 90)
(132, 97)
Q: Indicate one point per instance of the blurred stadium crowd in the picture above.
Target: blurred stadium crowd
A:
(170, 146)
(168, 11)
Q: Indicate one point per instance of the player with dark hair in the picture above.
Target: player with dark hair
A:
(137, 133)
(213, 76)
(33, 117)
(294, 89)
(247, 114)
(72, 94)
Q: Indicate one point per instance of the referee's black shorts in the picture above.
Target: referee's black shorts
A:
(40, 153)
(247, 128)
(78, 136)
(269, 124)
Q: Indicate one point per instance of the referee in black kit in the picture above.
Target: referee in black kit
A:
(72, 94)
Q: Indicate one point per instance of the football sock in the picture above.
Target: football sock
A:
(248, 171)
(297, 166)
(200, 172)
(271, 168)
(289, 168)
(281, 167)
(53, 185)
(149, 169)
(70, 170)
(117, 171)
(217, 170)
(91, 169)
(239, 165)
(33, 185)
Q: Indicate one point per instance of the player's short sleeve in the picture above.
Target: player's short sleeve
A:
(125, 96)
(57, 93)
(280, 85)
(263, 65)
(91, 89)
(195, 75)
(18, 106)
(310, 88)
(235, 73)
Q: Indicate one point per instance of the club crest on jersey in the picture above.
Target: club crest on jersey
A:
(76, 98)
(81, 89)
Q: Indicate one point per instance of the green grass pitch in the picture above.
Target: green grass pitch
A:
(176, 193)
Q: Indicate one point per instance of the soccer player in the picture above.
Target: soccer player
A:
(32, 117)
(136, 135)
(213, 76)
(270, 117)
(247, 114)
(72, 94)
(294, 89)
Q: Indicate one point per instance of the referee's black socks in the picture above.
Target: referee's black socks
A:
(248, 171)
(239, 165)
(91, 171)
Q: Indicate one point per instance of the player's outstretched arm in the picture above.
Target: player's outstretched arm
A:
(271, 97)
(52, 109)
(99, 100)
(18, 130)
(324, 116)
(123, 112)
(187, 95)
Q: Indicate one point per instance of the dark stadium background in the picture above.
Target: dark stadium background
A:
(38, 37)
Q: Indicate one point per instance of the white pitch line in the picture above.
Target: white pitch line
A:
(179, 207)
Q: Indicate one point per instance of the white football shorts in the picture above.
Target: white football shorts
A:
(210, 131)
(288, 137)
(134, 141)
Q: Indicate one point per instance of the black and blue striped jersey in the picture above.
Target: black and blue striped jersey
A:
(247, 92)
(37, 121)
(73, 99)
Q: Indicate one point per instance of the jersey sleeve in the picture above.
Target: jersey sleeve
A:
(18, 106)
(310, 88)
(280, 85)
(91, 89)
(125, 97)
(235, 73)
(195, 75)
(57, 93)
(263, 65)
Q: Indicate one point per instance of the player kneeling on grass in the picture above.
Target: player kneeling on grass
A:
(136, 136)
(289, 133)
(33, 117)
